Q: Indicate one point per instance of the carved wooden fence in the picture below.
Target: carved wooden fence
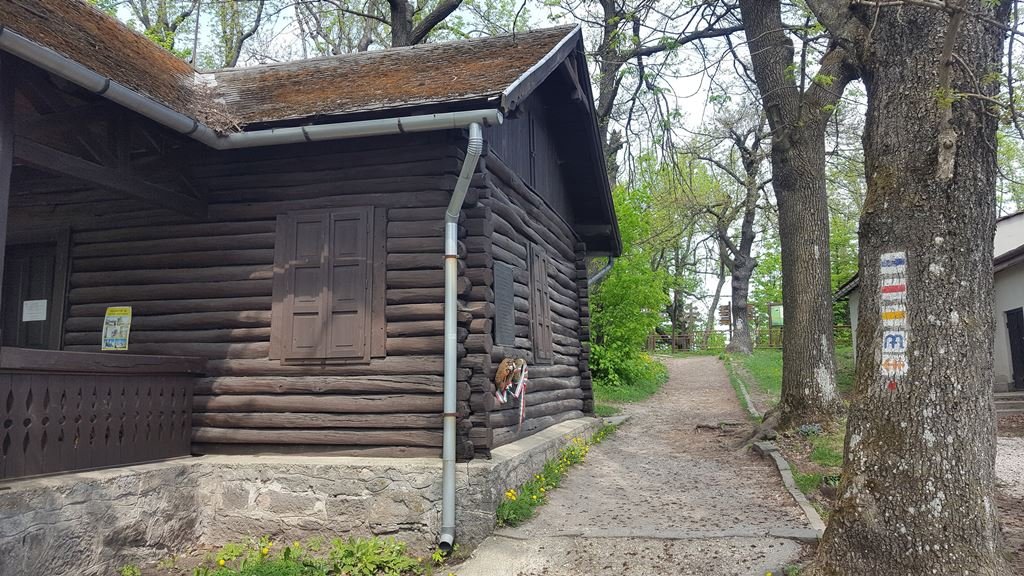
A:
(52, 420)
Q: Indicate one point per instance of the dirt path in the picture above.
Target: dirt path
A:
(660, 497)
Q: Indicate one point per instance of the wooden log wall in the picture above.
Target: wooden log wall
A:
(513, 216)
(205, 288)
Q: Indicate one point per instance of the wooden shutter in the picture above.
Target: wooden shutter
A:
(324, 286)
(540, 307)
(350, 301)
(504, 305)
(305, 298)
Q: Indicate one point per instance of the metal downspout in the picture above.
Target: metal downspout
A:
(451, 343)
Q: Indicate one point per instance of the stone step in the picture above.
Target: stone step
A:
(1015, 395)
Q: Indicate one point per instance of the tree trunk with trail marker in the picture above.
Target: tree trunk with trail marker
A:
(918, 477)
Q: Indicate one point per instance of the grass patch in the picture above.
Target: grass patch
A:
(765, 365)
(807, 483)
(606, 410)
(734, 380)
(846, 369)
(826, 455)
(520, 503)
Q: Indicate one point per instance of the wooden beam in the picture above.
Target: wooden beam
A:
(122, 180)
(78, 117)
(7, 77)
(569, 68)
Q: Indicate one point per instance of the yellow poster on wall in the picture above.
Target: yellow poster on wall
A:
(116, 325)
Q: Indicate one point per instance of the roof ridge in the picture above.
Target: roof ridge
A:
(390, 51)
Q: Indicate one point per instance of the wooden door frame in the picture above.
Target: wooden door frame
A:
(61, 239)
(1016, 380)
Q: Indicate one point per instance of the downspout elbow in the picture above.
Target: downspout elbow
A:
(473, 151)
(600, 274)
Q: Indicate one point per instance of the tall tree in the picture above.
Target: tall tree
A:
(236, 23)
(742, 166)
(636, 41)
(918, 478)
(410, 24)
(161, 20)
(798, 105)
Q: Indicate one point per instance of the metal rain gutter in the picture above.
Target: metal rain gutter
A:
(451, 344)
(72, 71)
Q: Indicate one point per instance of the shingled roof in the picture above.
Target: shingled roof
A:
(467, 70)
(418, 76)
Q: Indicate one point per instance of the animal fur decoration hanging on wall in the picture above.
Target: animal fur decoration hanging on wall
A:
(511, 378)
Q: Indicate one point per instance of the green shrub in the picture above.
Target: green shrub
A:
(631, 381)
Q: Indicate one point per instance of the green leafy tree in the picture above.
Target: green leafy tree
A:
(626, 306)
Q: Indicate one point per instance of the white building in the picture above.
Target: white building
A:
(1008, 263)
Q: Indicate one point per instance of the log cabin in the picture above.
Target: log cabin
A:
(285, 236)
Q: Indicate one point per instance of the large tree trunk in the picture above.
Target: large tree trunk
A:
(808, 362)
(741, 342)
(797, 120)
(401, 23)
(916, 496)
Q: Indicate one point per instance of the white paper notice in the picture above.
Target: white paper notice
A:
(33, 311)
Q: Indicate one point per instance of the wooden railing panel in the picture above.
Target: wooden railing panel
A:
(53, 421)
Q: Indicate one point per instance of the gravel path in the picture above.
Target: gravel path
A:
(1010, 496)
(659, 497)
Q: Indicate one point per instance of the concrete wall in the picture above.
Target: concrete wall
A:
(92, 523)
(1009, 234)
(1009, 295)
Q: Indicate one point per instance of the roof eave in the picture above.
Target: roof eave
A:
(535, 75)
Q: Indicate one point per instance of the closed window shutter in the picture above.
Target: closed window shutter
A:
(349, 285)
(504, 305)
(305, 300)
(540, 307)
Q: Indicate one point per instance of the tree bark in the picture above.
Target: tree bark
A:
(808, 361)
(739, 260)
(798, 120)
(741, 342)
(918, 479)
(401, 23)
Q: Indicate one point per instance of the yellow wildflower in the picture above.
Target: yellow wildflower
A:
(220, 562)
(265, 550)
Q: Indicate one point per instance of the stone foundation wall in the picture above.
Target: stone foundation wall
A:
(92, 523)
